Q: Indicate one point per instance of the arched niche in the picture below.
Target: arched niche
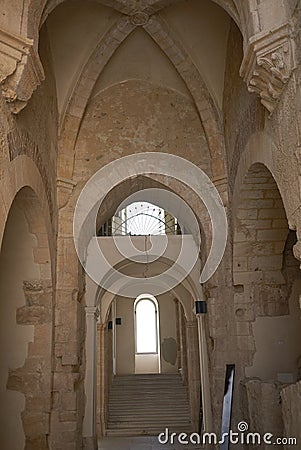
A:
(267, 286)
(26, 325)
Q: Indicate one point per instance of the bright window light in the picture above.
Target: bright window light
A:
(143, 219)
(146, 326)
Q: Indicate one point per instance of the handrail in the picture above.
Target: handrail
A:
(227, 406)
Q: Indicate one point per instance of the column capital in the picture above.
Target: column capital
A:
(268, 63)
(22, 70)
(191, 324)
(92, 311)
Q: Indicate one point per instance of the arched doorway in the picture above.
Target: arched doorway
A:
(26, 326)
(267, 281)
(178, 355)
(128, 179)
(175, 345)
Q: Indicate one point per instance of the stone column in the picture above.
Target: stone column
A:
(178, 331)
(89, 424)
(183, 344)
(205, 383)
(193, 372)
(103, 382)
(98, 379)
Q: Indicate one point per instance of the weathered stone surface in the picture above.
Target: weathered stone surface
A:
(32, 315)
(261, 409)
(146, 76)
(291, 403)
(35, 424)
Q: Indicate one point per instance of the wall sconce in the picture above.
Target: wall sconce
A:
(200, 307)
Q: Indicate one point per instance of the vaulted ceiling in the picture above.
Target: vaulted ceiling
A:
(199, 29)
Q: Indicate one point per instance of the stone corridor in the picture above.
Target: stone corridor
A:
(150, 220)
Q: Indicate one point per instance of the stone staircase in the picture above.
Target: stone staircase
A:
(147, 404)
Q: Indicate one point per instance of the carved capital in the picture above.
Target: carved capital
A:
(92, 312)
(65, 183)
(36, 285)
(268, 63)
(21, 69)
(64, 190)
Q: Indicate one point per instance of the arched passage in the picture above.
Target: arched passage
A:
(177, 347)
(267, 284)
(26, 326)
(185, 329)
(117, 191)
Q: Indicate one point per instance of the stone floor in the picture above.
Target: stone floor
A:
(140, 443)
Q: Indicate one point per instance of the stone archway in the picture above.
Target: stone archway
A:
(267, 285)
(131, 182)
(26, 326)
(27, 275)
(171, 308)
(99, 353)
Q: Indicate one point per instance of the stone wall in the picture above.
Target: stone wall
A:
(182, 118)
(136, 116)
(27, 314)
(37, 126)
(34, 378)
(259, 400)
(291, 399)
(242, 112)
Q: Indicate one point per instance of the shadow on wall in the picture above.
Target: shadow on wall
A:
(169, 350)
(25, 327)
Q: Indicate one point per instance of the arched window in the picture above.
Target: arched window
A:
(146, 325)
(141, 219)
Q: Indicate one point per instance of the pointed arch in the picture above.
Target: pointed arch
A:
(162, 35)
(77, 104)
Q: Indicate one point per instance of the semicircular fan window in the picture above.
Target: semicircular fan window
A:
(141, 219)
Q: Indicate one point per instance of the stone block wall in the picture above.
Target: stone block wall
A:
(138, 115)
(34, 378)
(260, 403)
(291, 404)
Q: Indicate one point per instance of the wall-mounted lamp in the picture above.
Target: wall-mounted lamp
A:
(200, 307)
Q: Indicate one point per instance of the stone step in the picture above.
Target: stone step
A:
(149, 423)
(143, 416)
(136, 376)
(148, 403)
(150, 379)
(168, 387)
(150, 385)
(149, 408)
(111, 432)
(140, 397)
